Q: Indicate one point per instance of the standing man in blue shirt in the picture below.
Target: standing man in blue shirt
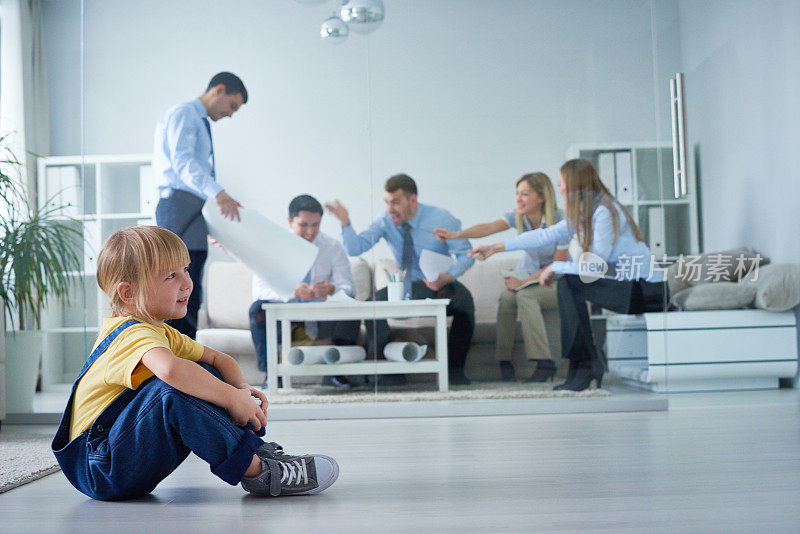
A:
(407, 227)
(183, 161)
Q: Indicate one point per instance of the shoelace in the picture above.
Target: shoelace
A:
(294, 472)
(276, 449)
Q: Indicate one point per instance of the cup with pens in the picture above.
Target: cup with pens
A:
(395, 285)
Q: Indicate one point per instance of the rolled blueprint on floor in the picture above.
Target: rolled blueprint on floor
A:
(345, 354)
(272, 252)
(404, 351)
(310, 355)
(307, 355)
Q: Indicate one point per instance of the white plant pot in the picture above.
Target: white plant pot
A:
(23, 354)
(2, 362)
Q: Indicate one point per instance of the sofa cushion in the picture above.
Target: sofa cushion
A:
(362, 277)
(725, 266)
(719, 296)
(777, 286)
(227, 340)
(486, 283)
(675, 277)
(228, 295)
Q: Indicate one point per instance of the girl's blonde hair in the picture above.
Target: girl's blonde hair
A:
(585, 192)
(137, 255)
(540, 183)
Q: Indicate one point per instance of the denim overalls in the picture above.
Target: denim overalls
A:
(145, 434)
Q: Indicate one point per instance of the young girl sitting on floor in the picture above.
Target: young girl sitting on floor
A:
(148, 395)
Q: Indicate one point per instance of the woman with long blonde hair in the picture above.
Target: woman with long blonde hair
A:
(535, 208)
(612, 266)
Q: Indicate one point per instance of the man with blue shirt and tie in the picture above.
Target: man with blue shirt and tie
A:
(407, 227)
(183, 161)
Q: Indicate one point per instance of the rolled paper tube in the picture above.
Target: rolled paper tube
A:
(345, 354)
(307, 355)
(404, 351)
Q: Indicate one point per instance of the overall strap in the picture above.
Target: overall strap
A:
(101, 348)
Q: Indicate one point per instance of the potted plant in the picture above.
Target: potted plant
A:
(39, 254)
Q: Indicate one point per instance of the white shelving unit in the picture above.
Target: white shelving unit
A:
(103, 194)
(640, 175)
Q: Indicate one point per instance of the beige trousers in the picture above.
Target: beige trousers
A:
(527, 304)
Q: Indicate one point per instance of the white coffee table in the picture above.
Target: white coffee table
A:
(285, 313)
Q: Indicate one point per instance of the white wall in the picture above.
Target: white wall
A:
(465, 96)
(742, 63)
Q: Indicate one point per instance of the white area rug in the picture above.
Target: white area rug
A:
(315, 394)
(25, 454)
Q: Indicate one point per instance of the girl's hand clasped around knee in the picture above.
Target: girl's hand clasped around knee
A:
(243, 409)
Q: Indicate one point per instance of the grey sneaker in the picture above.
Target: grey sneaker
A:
(293, 475)
(274, 451)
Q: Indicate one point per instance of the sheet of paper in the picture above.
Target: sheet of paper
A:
(400, 351)
(340, 296)
(432, 264)
(528, 284)
(272, 252)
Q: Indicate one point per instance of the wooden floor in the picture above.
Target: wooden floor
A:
(712, 463)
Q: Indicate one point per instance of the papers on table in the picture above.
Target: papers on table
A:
(340, 296)
(272, 252)
(432, 264)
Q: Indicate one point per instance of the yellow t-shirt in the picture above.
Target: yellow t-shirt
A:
(120, 367)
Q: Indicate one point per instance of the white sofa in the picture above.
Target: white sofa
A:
(224, 323)
(703, 350)
(732, 331)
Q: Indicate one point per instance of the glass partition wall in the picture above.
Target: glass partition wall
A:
(463, 97)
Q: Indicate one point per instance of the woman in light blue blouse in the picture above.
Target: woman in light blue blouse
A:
(612, 266)
(535, 208)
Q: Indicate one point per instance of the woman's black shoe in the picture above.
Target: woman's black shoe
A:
(506, 371)
(545, 370)
(586, 373)
(573, 368)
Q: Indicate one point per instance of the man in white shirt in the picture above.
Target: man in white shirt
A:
(329, 273)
